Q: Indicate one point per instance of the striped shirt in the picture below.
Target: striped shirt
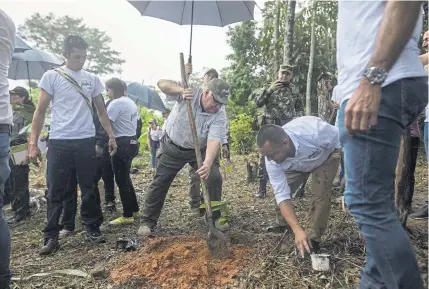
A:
(210, 126)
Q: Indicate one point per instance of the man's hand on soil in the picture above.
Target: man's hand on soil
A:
(302, 242)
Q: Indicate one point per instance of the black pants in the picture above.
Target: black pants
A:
(121, 162)
(104, 170)
(171, 160)
(65, 156)
(415, 144)
(16, 189)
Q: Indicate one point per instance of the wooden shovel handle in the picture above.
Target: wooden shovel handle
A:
(195, 137)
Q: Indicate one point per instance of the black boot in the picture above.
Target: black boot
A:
(421, 215)
(262, 192)
(51, 246)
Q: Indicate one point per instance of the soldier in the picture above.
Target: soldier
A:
(282, 103)
(16, 188)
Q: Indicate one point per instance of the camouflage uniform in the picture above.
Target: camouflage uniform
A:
(280, 107)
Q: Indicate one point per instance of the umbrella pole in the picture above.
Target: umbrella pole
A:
(192, 26)
(28, 74)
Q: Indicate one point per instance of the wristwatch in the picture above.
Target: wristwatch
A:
(375, 75)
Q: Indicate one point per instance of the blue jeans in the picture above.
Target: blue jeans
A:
(370, 163)
(4, 229)
(425, 138)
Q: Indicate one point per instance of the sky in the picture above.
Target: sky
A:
(149, 46)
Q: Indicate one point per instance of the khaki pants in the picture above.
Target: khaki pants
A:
(320, 204)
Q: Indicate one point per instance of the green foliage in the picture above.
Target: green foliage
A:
(243, 74)
(242, 136)
(48, 32)
(254, 49)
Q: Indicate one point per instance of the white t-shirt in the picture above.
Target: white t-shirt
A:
(314, 140)
(156, 134)
(71, 116)
(7, 45)
(427, 113)
(124, 114)
(357, 29)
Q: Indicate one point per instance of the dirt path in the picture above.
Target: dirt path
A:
(270, 261)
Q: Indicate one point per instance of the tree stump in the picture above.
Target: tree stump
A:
(403, 194)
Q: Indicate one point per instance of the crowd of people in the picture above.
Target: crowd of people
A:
(382, 89)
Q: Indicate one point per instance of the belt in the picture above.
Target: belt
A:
(177, 146)
(5, 128)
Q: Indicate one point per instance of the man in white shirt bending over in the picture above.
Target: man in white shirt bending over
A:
(304, 145)
(71, 91)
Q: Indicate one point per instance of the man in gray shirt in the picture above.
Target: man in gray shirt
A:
(177, 146)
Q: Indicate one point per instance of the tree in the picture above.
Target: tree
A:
(243, 75)
(276, 36)
(48, 32)
(288, 41)
(403, 194)
(311, 61)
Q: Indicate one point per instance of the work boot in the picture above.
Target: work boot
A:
(196, 212)
(64, 233)
(110, 207)
(422, 215)
(144, 231)
(224, 226)
(18, 218)
(315, 247)
(262, 191)
(93, 234)
(50, 246)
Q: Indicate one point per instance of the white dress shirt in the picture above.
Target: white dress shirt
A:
(314, 140)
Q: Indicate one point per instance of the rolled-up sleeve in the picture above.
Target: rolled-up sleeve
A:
(278, 181)
(174, 97)
(218, 129)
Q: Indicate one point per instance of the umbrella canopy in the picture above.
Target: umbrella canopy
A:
(191, 12)
(212, 13)
(20, 45)
(145, 96)
(32, 64)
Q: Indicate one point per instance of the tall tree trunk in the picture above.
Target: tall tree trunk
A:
(288, 42)
(311, 61)
(403, 194)
(276, 37)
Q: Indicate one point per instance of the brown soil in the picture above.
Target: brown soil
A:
(181, 262)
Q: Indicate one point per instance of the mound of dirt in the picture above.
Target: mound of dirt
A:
(180, 262)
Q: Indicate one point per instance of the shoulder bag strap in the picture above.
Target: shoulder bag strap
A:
(76, 86)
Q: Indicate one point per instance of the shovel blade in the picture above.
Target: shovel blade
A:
(218, 244)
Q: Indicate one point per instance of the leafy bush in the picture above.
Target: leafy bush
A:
(242, 136)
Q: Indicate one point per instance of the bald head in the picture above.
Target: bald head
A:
(270, 133)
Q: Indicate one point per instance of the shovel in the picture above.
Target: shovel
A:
(216, 240)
